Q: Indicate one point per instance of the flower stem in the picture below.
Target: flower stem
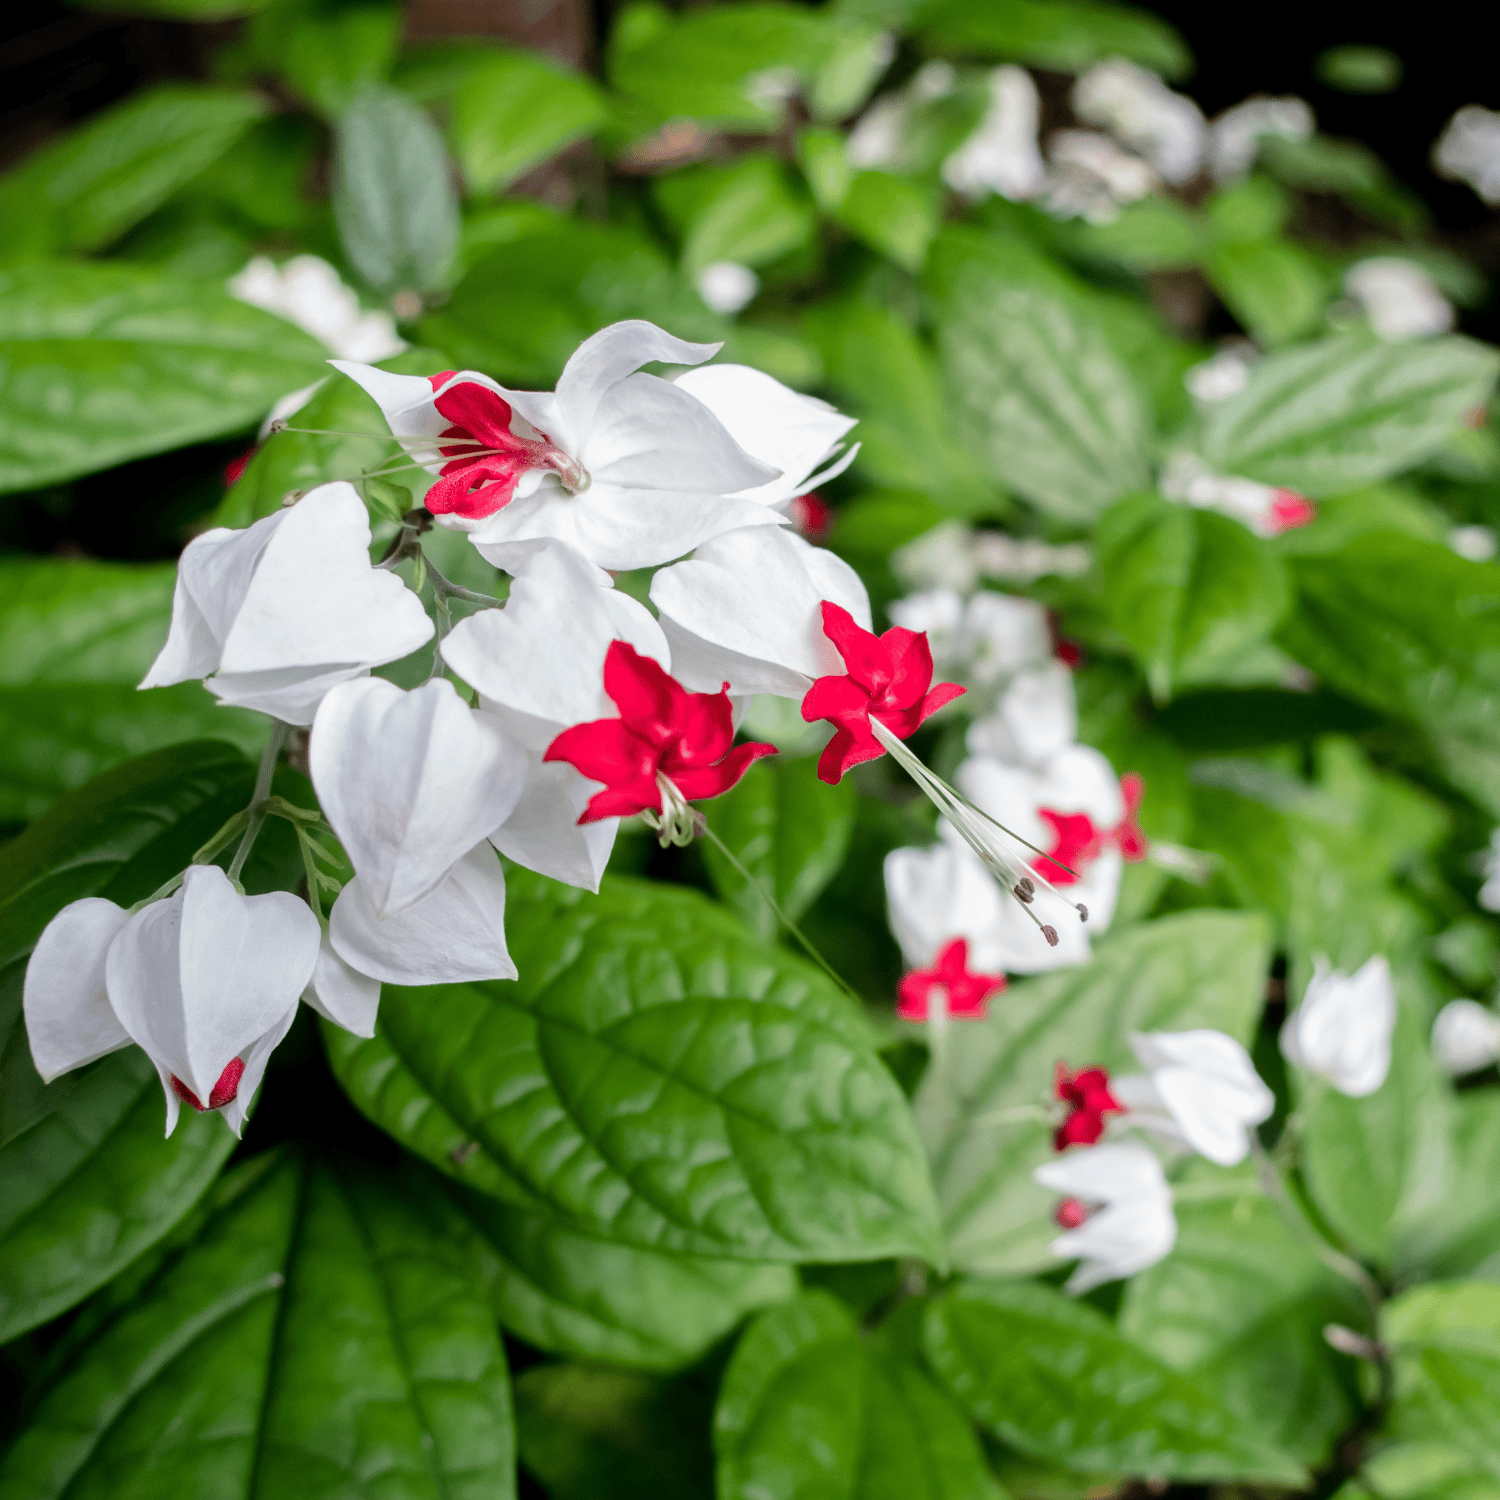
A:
(255, 814)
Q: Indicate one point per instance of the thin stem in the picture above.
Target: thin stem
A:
(256, 812)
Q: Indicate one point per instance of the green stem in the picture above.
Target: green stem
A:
(255, 814)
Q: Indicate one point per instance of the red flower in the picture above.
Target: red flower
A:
(235, 468)
(1290, 510)
(1087, 1093)
(888, 679)
(1076, 840)
(968, 994)
(223, 1091)
(1071, 1213)
(663, 730)
(811, 516)
(482, 474)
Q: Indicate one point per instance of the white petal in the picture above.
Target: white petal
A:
(608, 357)
(1118, 1241)
(68, 1017)
(1465, 1037)
(457, 933)
(406, 402)
(410, 781)
(936, 895)
(291, 694)
(1342, 1030)
(788, 431)
(198, 978)
(746, 609)
(1035, 718)
(539, 662)
(1211, 1114)
(255, 1057)
(544, 834)
(1113, 1172)
(341, 994)
(1078, 779)
(213, 575)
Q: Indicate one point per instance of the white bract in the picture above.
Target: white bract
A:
(746, 609)
(1091, 177)
(942, 558)
(307, 291)
(205, 982)
(1234, 137)
(277, 614)
(1134, 1228)
(1398, 297)
(879, 139)
(1166, 128)
(938, 894)
(727, 286)
(1474, 543)
(341, 994)
(1465, 1037)
(410, 782)
(1224, 375)
(1342, 1030)
(1034, 718)
(630, 469)
(1002, 155)
(1266, 510)
(538, 665)
(986, 640)
(1469, 150)
(1202, 1090)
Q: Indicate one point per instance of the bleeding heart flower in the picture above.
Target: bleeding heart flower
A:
(669, 747)
(949, 984)
(1077, 841)
(888, 681)
(1087, 1095)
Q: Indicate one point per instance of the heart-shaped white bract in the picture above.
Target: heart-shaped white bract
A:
(410, 781)
(938, 894)
(1343, 1028)
(281, 612)
(207, 976)
(69, 1021)
(341, 994)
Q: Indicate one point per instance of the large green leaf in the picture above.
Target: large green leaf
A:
(1347, 411)
(87, 1180)
(1052, 1377)
(1412, 629)
(1453, 1228)
(75, 638)
(1189, 590)
(657, 1076)
(976, 1109)
(577, 1293)
(1241, 1303)
(88, 188)
(321, 1335)
(790, 831)
(1034, 380)
(810, 1408)
(1275, 288)
(102, 363)
(393, 200)
(328, 50)
(751, 212)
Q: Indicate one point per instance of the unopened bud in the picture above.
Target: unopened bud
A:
(1050, 933)
(279, 425)
(1070, 1213)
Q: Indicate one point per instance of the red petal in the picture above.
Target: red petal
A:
(454, 494)
(228, 1085)
(910, 660)
(649, 699)
(943, 693)
(713, 781)
(840, 700)
(623, 801)
(186, 1094)
(864, 654)
(480, 412)
(704, 728)
(848, 748)
(441, 379)
(912, 992)
(605, 750)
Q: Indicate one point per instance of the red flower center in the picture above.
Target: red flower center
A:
(1071, 1213)
(487, 458)
(1087, 1095)
(664, 732)
(1076, 840)
(888, 680)
(967, 994)
(1290, 510)
(223, 1091)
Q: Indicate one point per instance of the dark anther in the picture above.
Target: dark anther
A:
(1083, 912)
(1050, 933)
(1024, 891)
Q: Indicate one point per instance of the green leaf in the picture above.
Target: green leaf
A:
(572, 281)
(1414, 630)
(1347, 411)
(515, 109)
(583, 1294)
(896, 217)
(87, 1179)
(393, 201)
(1275, 288)
(1454, 1226)
(86, 189)
(1189, 590)
(790, 831)
(1421, 1470)
(176, 10)
(320, 1336)
(1065, 36)
(75, 638)
(1156, 234)
(809, 1407)
(592, 1433)
(1034, 381)
(1052, 1377)
(330, 51)
(1241, 1304)
(103, 363)
(977, 1112)
(751, 212)
(775, 1132)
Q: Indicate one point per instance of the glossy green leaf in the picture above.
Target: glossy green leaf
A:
(790, 831)
(751, 212)
(392, 198)
(1189, 590)
(1052, 1377)
(1275, 288)
(89, 187)
(100, 363)
(572, 280)
(87, 1179)
(329, 51)
(1422, 1470)
(515, 109)
(809, 1407)
(657, 1076)
(1347, 411)
(1155, 234)
(892, 215)
(585, 1295)
(75, 638)
(320, 1336)
(1241, 1303)
(978, 1109)
(1454, 1226)
(1414, 630)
